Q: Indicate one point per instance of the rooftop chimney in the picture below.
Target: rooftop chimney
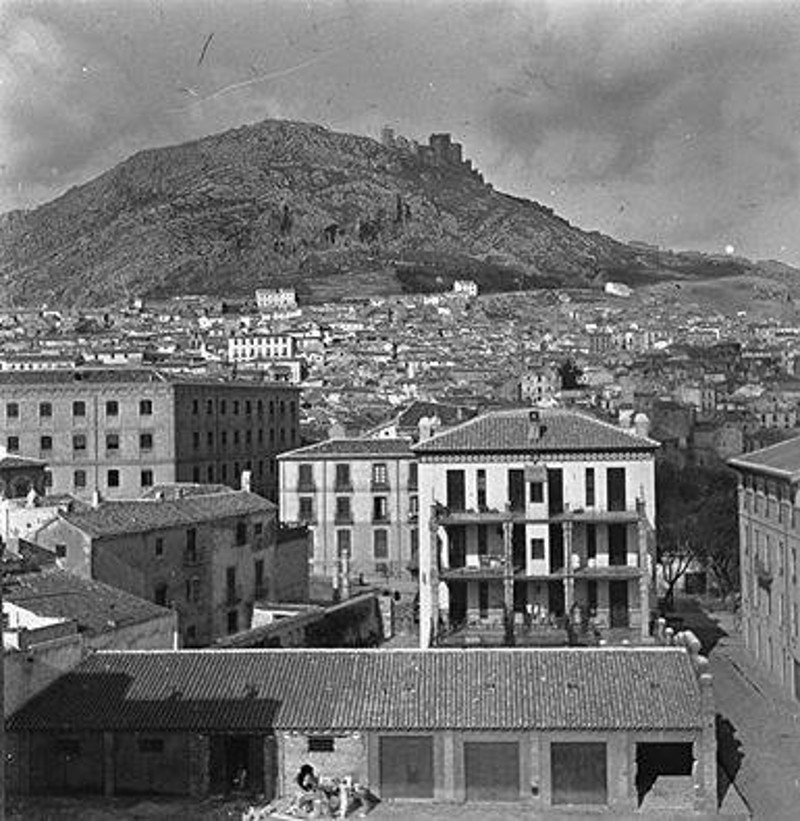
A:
(428, 426)
(641, 424)
(96, 499)
(246, 480)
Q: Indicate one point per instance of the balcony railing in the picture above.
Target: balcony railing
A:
(343, 487)
(380, 519)
(306, 486)
(379, 487)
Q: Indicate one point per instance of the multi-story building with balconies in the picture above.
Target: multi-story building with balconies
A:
(535, 519)
(359, 499)
(769, 541)
(122, 431)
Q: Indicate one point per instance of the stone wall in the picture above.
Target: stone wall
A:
(349, 757)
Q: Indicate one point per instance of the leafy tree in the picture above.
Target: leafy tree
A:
(697, 521)
(569, 374)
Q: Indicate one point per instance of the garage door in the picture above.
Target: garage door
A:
(578, 773)
(406, 766)
(491, 771)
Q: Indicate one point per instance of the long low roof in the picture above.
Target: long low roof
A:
(341, 690)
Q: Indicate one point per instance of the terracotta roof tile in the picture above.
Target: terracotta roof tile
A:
(338, 690)
(342, 448)
(143, 515)
(560, 430)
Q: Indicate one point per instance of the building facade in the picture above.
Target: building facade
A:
(414, 726)
(534, 518)
(769, 542)
(122, 431)
(359, 499)
(208, 555)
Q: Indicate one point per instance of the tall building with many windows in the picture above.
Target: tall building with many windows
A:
(769, 541)
(530, 518)
(122, 431)
(359, 499)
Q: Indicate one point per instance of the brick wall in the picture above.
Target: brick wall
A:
(348, 758)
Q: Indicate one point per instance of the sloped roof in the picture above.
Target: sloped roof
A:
(143, 515)
(10, 462)
(342, 448)
(97, 607)
(560, 430)
(339, 690)
(781, 460)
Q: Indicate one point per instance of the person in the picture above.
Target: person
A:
(240, 779)
(309, 783)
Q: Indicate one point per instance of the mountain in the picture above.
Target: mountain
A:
(289, 203)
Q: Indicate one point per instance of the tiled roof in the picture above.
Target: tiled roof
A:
(143, 515)
(448, 414)
(339, 690)
(781, 460)
(342, 448)
(97, 607)
(179, 490)
(560, 430)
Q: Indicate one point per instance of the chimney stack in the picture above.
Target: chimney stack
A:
(535, 427)
(96, 498)
(641, 424)
(246, 482)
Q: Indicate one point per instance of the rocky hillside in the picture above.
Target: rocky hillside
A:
(293, 203)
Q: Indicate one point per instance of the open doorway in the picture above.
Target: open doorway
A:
(237, 765)
(661, 760)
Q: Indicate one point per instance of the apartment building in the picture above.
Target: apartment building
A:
(769, 541)
(359, 500)
(207, 552)
(532, 518)
(122, 431)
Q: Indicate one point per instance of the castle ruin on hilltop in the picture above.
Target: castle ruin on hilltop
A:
(440, 152)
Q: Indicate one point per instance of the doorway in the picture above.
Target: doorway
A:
(618, 603)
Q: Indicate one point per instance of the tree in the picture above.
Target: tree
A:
(569, 374)
(697, 521)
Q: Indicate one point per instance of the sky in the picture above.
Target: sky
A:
(670, 122)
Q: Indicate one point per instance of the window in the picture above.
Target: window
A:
(61, 551)
(414, 545)
(591, 541)
(343, 477)
(236, 407)
(191, 635)
(260, 407)
(258, 573)
(112, 408)
(12, 444)
(380, 508)
(483, 599)
(380, 474)
(79, 479)
(196, 475)
(321, 744)
(480, 482)
(45, 410)
(112, 441)
(223, 407)
(516, 489)
(413, 506)
(210, 438)
(412, 476)
(483, 541)
(380, 544)
(306, 509)
(145, 441)
(283, 408)
(233, 621)
(196, 439)
(236, 437)
(537, 549)
(160, 594)
(537, 493)
(615, 490)
(112, 478)
(305, 477)
(209, 406)
(151, 745)
(146, 478)
(79, 441)
(12, 410)
(193, 590)
(248, 437)
(342, 542)
(210, 473)
(191, 544)
(195, 407)
(79, 408)
(248, 407)
(589, 487)
(45, 443)
(343, 509)
(48, 478)
(241, 533)
(159, 546)
(145, 407)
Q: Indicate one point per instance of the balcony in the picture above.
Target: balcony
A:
(343, 487)
(379, 487)
(381, 519)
